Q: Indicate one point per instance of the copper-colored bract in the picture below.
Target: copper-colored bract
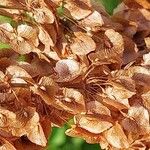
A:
(79, 63)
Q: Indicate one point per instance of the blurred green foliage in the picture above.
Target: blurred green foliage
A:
(21, 58)
(4, 46)
(110, 5)
(5, 19)
(60, 10)
(59, 141)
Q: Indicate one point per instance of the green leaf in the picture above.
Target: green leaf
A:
(110, 5)
(5, 19)
(4, 46)
(86, 146)
(58, 137)
(59, 141)
(22, 58)
(60, 9)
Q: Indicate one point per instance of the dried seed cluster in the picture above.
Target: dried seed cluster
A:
(79, 62)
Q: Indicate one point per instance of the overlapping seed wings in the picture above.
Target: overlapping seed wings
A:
(82, 64)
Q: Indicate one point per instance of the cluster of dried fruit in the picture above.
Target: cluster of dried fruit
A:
(82, 63)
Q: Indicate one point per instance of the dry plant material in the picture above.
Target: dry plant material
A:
(80, 64)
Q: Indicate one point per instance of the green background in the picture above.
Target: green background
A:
(59, 141)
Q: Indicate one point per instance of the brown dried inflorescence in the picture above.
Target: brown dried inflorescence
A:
(83, 64)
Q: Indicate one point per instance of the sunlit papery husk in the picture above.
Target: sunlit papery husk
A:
(53, 55)
(130, 125)
(131, 71)
(6, 32)
(6, 145)
(119, 94)
(130, 51)
(83, 44)
(10, 3)
(95, 107)
(6, 27)
(146, 100)
(18, 128)
(78, 9)
(2, 76)
(140, 117)
(18, 74)
(48, 85)
(147, 41)
(17, 43)
(43, 15)
(69, 107)
(136, 16)
(22, 43)
(93, 21)
(140, 75)
(137, 3)
(21, 46)
(45, 38)
(25, 31)
(116, 137)
(59, 2)
(145, 13)
(74, 100)
(37, 136)
(35, 132)
(45, 97)
(132, 4)
(79, 132)
(138, 145)
(67, 69)
(10, 11)
(6, 2)
(115, 92)
(29, 33)
(37, 68)
(49, 99)
(92, 124)
(142, 80)
(71, 100)
(127, 83)
(115, 104)
(110, 54)
(116, 39)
